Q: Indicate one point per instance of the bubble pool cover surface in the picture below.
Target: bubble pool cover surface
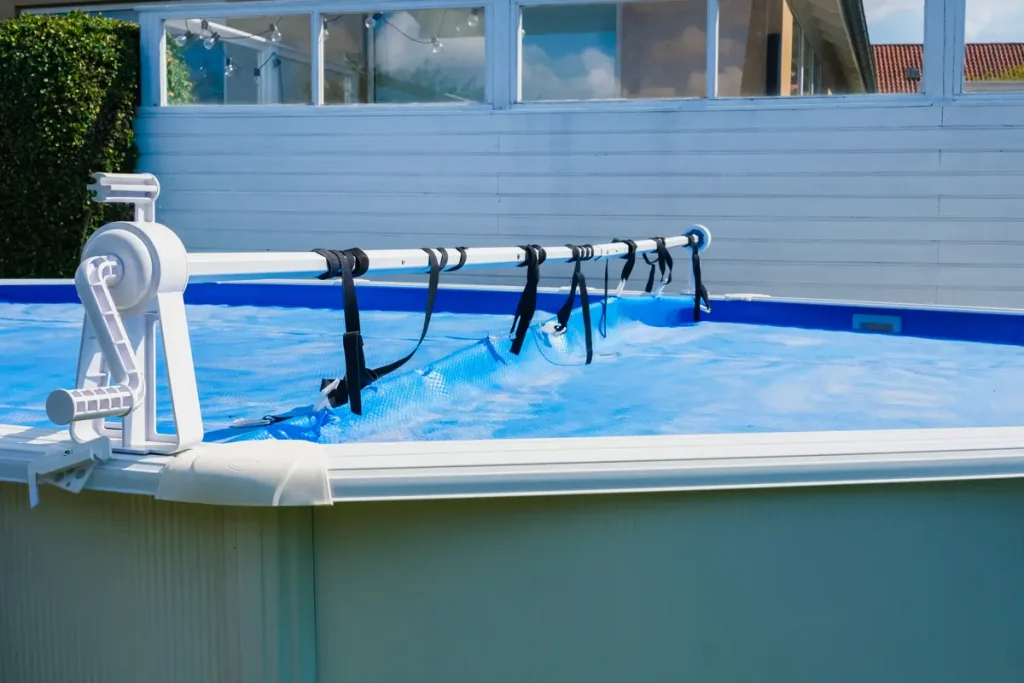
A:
(249, 360)
(654, 374)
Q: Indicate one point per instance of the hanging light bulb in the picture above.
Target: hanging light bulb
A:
(325, 31)
(371, 20)
(275, 35)
(211, 40)
(436, 45)
(182, 39)
(256, 75)
(229, 67)
(474, 18)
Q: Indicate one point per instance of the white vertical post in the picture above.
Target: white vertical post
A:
(499, 55)
(517, 23)
(152, 60)
(955, 44)
(711, 77)
(371, 62)
(316, 59)
(933, 80)
(618, 49)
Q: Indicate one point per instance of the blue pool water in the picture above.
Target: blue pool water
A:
(653, 374)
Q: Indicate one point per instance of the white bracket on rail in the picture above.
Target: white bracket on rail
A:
(140, 189)
(131, 281)
(67, 467)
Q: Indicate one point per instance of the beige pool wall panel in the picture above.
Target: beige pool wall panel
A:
(113, 588)
(891, 583)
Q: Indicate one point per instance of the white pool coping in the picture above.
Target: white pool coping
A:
(557, 466)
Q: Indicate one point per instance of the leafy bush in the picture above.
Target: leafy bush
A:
(1014, 73)
(180, 89)
(69, 87)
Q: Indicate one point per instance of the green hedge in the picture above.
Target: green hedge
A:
(69, 87)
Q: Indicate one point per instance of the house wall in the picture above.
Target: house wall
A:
(913, 201)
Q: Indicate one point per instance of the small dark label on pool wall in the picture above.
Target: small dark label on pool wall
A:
(887, 324)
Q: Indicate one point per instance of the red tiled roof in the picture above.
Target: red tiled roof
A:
(891, 64)
(992, 59)
(892, 61)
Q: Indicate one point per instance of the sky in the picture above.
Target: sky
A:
(902, 21)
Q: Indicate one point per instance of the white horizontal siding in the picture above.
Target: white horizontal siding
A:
(920, 203)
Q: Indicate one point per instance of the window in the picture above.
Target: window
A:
(434, 55)
(239, 60)
(803, 47)
(613, 51)
(994, 53)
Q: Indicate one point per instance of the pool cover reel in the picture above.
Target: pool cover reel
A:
(134, 273)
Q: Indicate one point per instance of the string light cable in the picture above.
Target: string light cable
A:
(210, 37)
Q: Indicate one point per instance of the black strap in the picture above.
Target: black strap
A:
(462, 259)
(700, 292)
(630, 259)
(340, 392)
(444, 256)
(347, 390)
(578, 279)
(527, 305)
(663, 262)
(360, 264)
(602, 326)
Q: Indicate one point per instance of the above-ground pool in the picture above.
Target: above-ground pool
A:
(773, 378)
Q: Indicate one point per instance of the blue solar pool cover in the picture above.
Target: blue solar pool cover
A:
(658, 373)
(655, 373)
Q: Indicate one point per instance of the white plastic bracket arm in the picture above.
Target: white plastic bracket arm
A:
(131, 280)
(68, 467)
(140, 189)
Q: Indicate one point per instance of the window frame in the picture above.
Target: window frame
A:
(942, 78)
(956, 24)
(154, 44)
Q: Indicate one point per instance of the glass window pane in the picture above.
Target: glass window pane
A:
(809, 47)
(636, 50)
(994, 54)
(239, 60)
(433, 55)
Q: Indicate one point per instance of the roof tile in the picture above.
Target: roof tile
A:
(892, 61)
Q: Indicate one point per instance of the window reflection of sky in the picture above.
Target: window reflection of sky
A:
(987, 21)
(569, 52)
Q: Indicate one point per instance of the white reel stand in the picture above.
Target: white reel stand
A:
(131, 279)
